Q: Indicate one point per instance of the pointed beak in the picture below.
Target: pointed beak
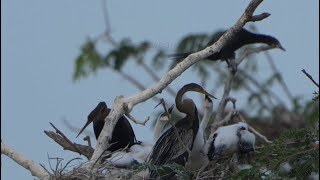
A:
(207, 94)
(84, 127)
(170, 108)
(208, 98)
(281, 47)
(161, 101)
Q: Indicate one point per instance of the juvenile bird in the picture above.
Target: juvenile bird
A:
(230, 139)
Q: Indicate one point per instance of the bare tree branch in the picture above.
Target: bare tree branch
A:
(87, 151)
(34, 168)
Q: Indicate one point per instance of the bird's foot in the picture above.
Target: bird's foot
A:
(232, 66)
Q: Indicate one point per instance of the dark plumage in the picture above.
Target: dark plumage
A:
(123, 135)
(243, 37)
(168, 148)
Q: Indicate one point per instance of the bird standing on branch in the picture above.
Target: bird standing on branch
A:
(175, 144)
(227, 53)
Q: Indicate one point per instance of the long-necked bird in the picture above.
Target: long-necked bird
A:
(198, 158)
(227, 52)
(174, 145)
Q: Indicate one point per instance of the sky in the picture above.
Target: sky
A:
(41, 40)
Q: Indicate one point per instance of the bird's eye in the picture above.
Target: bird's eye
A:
(242, 128)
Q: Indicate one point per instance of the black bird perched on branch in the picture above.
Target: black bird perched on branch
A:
(123, 135)
(175, 144)
(243, 37)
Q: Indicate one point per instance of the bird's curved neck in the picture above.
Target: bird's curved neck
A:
(179, 102)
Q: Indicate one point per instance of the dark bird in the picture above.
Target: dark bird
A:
(227, 52)
(123, 135)
(169, 147)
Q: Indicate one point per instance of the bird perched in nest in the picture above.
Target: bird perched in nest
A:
(123, 135)
(235, 138)
(124, 149)
(227, 52)
(175, 144)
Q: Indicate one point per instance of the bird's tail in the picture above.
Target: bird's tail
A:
(179, 56)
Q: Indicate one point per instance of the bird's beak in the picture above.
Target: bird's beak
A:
(170, 108)
(281, 47)
(84, 127)
(169, 111)
(208, 98)
(161, 101)
(207, 94)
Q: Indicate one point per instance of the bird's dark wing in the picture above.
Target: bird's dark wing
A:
(123, 135)
(169, 148)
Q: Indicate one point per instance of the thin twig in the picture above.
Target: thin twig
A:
(310, 77)
(137, 121)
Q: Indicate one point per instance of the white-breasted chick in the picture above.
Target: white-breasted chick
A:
(247, 140)
(224, 140)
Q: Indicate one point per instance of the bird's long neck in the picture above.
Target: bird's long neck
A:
(158, 128)
(179, 103)
(205, 119)
(258, 38)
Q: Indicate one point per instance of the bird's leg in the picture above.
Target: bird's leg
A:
(232, 65)
(87, 138)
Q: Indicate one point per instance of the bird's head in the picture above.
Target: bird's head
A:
(273, 42)
(197, 88)
(97, 114)
(242, 126)
(166, 116)
(208, 102)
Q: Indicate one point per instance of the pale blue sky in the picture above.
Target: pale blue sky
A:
(41, 39)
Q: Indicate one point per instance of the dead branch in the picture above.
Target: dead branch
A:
(31, 166)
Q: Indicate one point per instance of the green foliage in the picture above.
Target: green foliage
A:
(89, 60)
(294, 147)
